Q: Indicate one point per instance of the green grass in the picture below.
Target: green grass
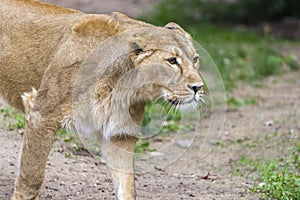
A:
(277, 178)
(12, 119)
(236, 103)
(69, 138)
(212, 34)
(66, 136)
(143, 146)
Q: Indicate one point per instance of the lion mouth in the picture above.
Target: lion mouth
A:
(176, 102)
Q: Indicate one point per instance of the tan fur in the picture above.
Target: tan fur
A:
(43, 46)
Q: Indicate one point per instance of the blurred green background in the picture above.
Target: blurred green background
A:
(246, 38)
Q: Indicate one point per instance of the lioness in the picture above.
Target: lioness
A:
(43, 49)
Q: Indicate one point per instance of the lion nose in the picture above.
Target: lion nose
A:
(195, 88)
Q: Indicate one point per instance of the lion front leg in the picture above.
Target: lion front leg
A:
(119, 156)
(37, 142)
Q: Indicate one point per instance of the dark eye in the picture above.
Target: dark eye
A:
(196, 59)
(172, 61)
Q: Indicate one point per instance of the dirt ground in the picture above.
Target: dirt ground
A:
(262, 130)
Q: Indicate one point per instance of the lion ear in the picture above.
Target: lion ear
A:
(138, 53)
(137, 50)
(95, 25)
(174, 26)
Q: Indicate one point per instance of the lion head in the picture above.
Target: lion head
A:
(168, 65)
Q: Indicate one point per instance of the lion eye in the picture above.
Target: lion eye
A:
(172, 61)
(195, 59)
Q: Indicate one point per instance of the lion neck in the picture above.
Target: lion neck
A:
(117, 106)
(120, 100)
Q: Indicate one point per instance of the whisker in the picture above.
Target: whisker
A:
(169, 106)
(177, 107)
(172, 107)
